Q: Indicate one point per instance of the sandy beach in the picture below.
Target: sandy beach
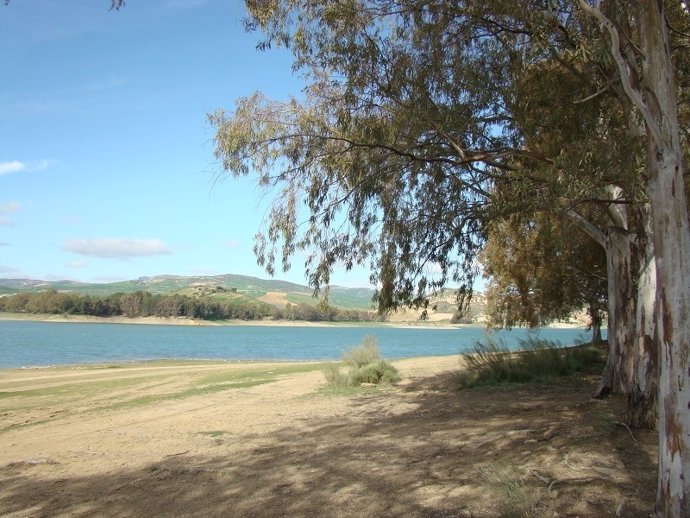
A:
(268, 439)
(396, 322)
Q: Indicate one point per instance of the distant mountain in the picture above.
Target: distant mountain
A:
(272, 291)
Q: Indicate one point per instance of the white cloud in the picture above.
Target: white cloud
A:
(2, 243)
(8, 270)
(231, 244)
(77, 264)
(15, 166)
(9, 207)
(121, 248)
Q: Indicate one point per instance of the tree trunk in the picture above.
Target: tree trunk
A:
(595, 318)
(618, 371)
(672, 250)
(642, 399)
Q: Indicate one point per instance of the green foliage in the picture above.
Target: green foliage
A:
(493, 363)
(365, 366)
(145, 304)
(542, 269)
(378, 372)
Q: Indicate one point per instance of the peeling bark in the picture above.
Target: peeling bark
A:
(642, 410)
(655, 99)
(618, 372)
(672, 249)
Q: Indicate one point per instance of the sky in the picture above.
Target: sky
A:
(107, 169)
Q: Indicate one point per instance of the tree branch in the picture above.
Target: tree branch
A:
(587, 226)
(634, 95)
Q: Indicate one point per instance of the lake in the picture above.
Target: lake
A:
(31, 344)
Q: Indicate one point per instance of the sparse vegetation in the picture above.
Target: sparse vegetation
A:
(365, 366)
(492, 362)
(512, 497)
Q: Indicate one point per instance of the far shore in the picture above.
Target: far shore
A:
(184, 321)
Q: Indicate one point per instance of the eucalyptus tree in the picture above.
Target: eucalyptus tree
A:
(543, 268)
(646, 72)
(391, 150)
(415, 111)
(593, 180)
(416, 114)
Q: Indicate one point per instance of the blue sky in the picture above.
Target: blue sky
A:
(106, 156)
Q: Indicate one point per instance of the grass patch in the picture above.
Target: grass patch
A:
(190, 392)
(219, 382)
(77, 389)
(365, 365)
(214, 433)
(271, 372)
(493, 363)
(511, 496)
(135, 389)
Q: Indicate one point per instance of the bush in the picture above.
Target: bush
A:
(365, 366)
(376, 372)
(333, 375)
(364, 354)
(492, 363)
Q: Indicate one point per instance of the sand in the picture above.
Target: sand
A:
(267, 439)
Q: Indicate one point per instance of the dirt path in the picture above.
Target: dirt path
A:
(264, 439)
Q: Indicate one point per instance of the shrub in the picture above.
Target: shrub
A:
(376, 372)
(492, 362)
(365, 366)
(364, 354)
(333, 375)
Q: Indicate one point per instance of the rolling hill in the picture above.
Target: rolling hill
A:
(221, 286)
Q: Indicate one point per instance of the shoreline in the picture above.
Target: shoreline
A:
(185, 321)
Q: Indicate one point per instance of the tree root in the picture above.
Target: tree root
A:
(550, 483)
(576, 480)
(627, 428)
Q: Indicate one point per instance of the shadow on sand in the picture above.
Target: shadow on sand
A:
(425, 455)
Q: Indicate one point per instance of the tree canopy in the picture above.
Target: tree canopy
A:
(542, 269)
(413, 113)
(424, 121)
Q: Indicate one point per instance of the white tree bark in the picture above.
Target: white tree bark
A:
(619, 372)
(672, 249)
(642, 410)
(617, 375)
(655, 98)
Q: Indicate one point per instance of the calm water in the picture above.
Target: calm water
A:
(24, 344)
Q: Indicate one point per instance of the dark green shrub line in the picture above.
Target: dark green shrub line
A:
(493, 363)
(145, 304)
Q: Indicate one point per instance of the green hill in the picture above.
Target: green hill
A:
(228, 286)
